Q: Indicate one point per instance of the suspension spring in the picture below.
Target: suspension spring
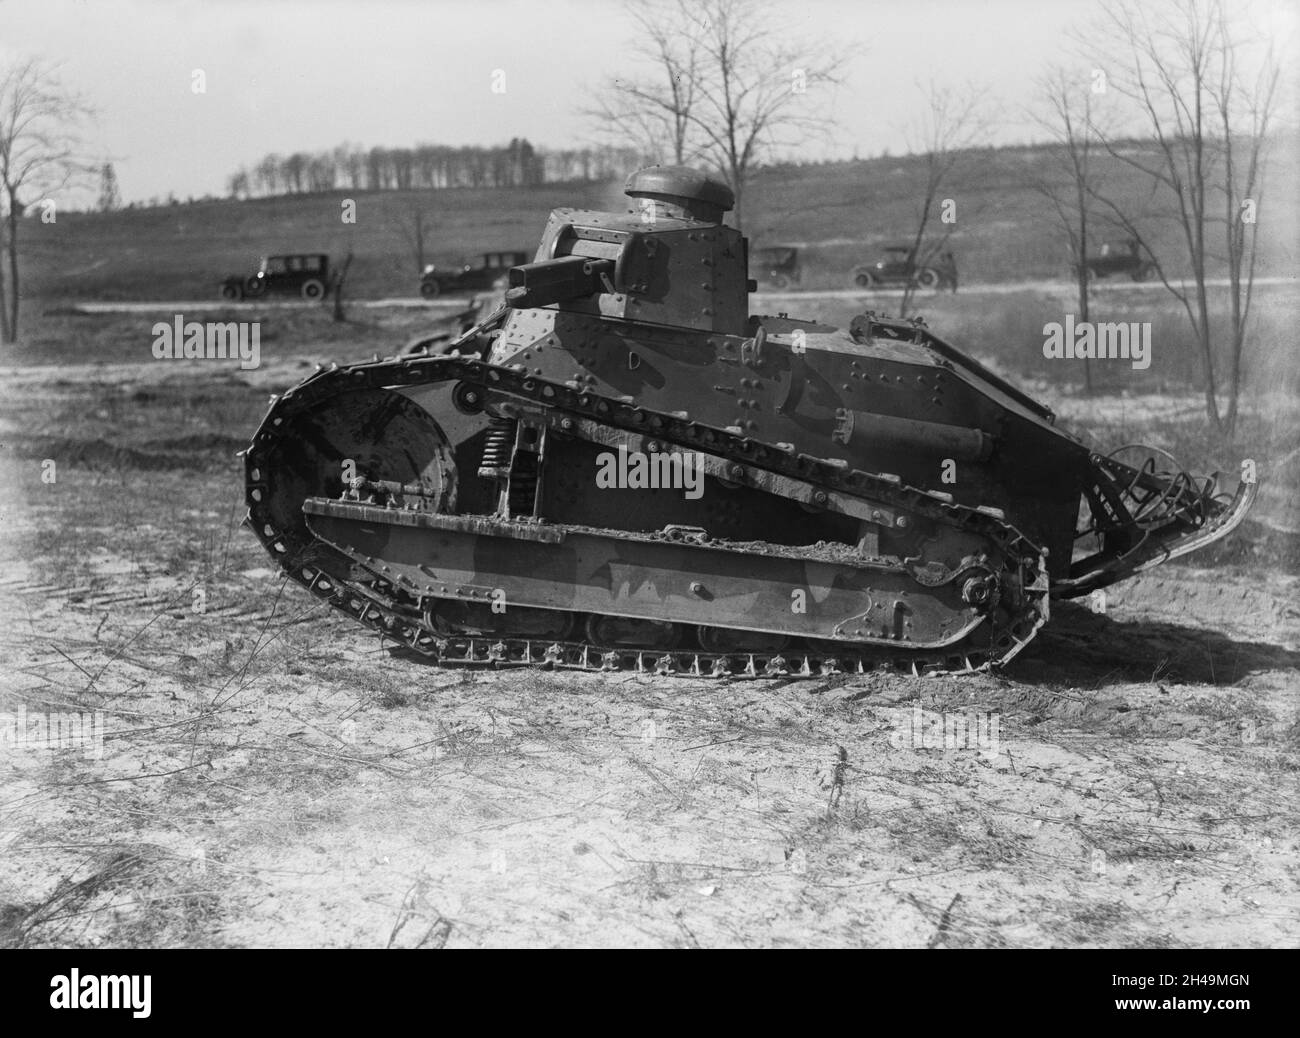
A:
(498, 449)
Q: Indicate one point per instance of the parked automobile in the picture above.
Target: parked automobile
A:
(470, 277)
(1120, 257)
(896, 267)
(776, 266)
(305, 274)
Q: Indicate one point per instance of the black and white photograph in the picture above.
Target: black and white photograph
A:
(650, 474)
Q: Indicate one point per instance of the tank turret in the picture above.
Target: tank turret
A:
(667, 260)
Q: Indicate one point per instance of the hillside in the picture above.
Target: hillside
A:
(840, 213)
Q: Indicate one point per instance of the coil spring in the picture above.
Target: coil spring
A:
(497, 449)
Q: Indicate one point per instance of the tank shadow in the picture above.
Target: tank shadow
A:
(1081, 647)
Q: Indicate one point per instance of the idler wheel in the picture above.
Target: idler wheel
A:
(384, 435)
(477, 618)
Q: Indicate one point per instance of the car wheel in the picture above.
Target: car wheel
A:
(254, 287)
(928, 278)
(864, 279)
(779, 282)
(429, 289)
(231, 293)
(313, 289)
(1142, 273)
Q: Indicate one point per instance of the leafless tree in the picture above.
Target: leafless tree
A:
(110, 198)
(954, 121)
(413, 226)
(1206, 96)
(1072, 179)
(237, 184)
(39, 156)
(729, 87)
(339, 279)
(654, 112)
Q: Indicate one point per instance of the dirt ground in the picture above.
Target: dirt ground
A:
(271, 775)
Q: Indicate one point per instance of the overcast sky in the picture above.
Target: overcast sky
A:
(301, 75)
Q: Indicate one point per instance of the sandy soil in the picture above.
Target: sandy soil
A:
(272, 776)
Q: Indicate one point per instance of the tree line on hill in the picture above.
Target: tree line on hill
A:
(353, 167)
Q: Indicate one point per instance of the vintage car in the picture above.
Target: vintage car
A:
(1120, 257)
(896, 267)
(471, 278)
(775, 266)
(305, 274)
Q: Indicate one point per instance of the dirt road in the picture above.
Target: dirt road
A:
(1054, 287)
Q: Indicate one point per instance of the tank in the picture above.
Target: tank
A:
(622, 467)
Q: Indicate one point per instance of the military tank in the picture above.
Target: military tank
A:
(621, 467)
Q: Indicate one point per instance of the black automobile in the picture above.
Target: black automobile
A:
(305, 274)
(776, 266)
(1120, 257)
(896, 267)
(471, 278)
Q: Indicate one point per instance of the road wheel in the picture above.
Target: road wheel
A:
(864, 279)
(429, 289)
(231, 293)
(618, 632)
(779, 282)
(928, 278)
(1143, 272)
(254, 287)
(313, 288)
(725, 640)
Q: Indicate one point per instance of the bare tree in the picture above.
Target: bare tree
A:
(730, 87)
(38, 157)
(339, 279)
(237, 184)
(110, 197)
(413, 227)
(654, 112)
(266, 174)
(1072, 179)
(953, 123)
(1206, 97)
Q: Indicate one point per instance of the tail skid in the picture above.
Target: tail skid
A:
(1143, 515)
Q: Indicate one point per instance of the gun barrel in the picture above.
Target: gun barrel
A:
(556, 280)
